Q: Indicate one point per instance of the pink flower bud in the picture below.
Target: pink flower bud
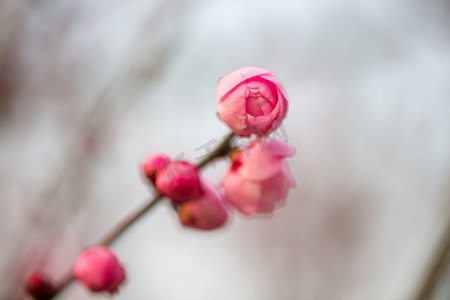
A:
(179, 180)
(259, 177)
(152, 164)
(251, 100)
(99, 270)
(206, 212)
(39, 286)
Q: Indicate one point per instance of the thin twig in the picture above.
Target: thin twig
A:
(126, 223)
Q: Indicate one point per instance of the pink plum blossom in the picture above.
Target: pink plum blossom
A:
(179, 181)
(259, 177)
(206, 212)
(251, 101)
(152, 164)
(99, 270)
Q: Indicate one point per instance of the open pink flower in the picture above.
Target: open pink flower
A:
(251, 101)
(259, 177)
(99, 269)
(179, 181)
(206, 212)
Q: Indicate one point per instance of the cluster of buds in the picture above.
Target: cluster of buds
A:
(199, 203)
(252, 102)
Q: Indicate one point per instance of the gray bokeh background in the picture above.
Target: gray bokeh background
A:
(89, 88)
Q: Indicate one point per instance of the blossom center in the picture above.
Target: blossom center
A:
(257, 104)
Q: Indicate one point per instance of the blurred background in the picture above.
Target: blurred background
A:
(89, 88)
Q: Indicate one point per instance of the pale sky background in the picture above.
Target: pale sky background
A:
(89, 88)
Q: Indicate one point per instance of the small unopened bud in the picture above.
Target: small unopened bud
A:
(179, 181)
(152, 164)
(99, 270)
(39, 286)
(206, 212)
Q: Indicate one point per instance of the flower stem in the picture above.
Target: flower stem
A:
(221, 150)
(128, 221)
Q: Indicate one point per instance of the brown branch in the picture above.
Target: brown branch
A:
(126, 223)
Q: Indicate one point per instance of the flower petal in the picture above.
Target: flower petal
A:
(242, 194)
(233, 111)
(278, 148)
(230, 81)
(257, 163)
